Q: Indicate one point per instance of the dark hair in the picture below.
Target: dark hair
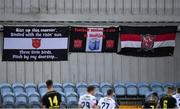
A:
(155, 94)
(90, 88)
(178, 90)
(49, 83)
(170, 88)
(110, 92)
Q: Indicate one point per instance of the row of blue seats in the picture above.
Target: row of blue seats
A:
(28, 95)
(119, 88)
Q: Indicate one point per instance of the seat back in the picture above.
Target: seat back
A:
(5, 88)
(72, 98)
(30, 88)
(105, 87)
(69, 87)
(132, 89)
(21, 100)
(8, 98)
(34, 100)
(81, 88)
(42, 89)
(120, 89)
(58, 87)
(157, 87)
(18, 88)
(168, 84)
(144, 88)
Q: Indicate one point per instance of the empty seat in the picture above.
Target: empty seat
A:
(168, 84)
(8, 100)
(30, 88)
(42, 89)
(68, 87)
(120, 89)
(96, 85)
(18, 88)
(144, 88)
(5, 88)
(132, 90)
(34, 100)
(81, 88)
(105, 87)
(98, 95)
(157, 87)
(21, 100)
(177, 84)
(58, 87)
(72, 99)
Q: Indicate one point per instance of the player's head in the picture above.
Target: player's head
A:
(154, 96)
(49, 84)
(170, 91)
(110, 92)
(91, 90)
(178, 90)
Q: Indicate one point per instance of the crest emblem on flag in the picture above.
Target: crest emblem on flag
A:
(36, 43)
(147, 42)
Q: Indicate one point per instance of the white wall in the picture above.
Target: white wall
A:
(94, 67)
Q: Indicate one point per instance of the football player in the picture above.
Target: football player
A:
(107, 102)
(51, 99)
(151, 104)
(177, 97)
(168, 101)
(88, 101)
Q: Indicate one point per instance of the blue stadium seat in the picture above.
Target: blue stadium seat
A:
(8, 100)
(18, 88)
(5, 88)
(177, 84)
(63, 99)
(144, 88)
(98, 95)
(168, 84)
(132, 90)
(105, 87)
(120, 89)
(96, 85)
(81, 88)
(157, 87)
(58, 87)
(34, 100)
(72, 99)
(68, 87)
(30, 88)
(42, 89)
(21, 100)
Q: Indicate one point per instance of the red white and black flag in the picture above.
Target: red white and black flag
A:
(147, 41)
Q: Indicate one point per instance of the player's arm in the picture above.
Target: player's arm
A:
(79, 103)
(43, 102)
(94, 106)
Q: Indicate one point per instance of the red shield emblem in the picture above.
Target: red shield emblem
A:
(36, 43)
(147, 42)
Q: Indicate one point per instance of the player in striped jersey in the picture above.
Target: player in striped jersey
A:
(107, 102)
(177, 97)
(88, 101)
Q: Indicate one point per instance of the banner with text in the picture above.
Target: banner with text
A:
(93, 39)
(35, 43)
